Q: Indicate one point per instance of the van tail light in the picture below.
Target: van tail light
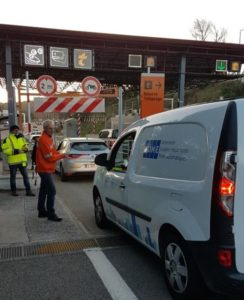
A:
(225, 258)
(226, 189)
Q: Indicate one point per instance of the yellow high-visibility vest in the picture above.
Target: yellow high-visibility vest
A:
(12, 142)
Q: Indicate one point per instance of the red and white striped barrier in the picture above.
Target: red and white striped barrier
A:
(69, 104)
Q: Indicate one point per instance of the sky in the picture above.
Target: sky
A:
(155, 18)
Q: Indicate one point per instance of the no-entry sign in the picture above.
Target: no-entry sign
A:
(46, 85)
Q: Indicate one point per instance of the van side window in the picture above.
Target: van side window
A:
(173, 151)
(120, 157)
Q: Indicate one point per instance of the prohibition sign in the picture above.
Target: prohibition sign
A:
(46, 85)
(91, 86)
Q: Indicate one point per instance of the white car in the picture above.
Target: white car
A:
(81, 153)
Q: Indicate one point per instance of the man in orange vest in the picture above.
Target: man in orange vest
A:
(46, 157)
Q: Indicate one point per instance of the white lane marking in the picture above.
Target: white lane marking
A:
(114, 283)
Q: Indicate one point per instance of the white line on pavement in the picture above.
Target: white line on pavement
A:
(114, 283)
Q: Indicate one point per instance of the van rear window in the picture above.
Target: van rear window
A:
(174, 151)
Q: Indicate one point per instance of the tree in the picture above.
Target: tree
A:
(203, 30)
(219, 35)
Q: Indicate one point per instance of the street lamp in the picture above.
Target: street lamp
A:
(240, 35)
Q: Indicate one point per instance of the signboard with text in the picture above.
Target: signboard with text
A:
(151, 94)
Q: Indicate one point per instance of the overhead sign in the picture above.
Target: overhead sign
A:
(46, 85)
(151, 94)
(34, 55)
(91, 86)
(235, 66)
(59, 57)
(83, 59)
(135, 61)
(221, 65)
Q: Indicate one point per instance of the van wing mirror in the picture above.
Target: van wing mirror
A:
(101, 160)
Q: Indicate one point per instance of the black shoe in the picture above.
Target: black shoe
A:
(30, 193)
(42, 214)
(54, 218)
(14, 193)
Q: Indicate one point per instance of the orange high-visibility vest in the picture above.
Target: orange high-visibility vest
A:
(46, 154)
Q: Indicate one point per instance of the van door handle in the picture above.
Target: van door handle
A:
(122, 186)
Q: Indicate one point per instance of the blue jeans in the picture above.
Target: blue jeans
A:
(47, 193)
(13, 170)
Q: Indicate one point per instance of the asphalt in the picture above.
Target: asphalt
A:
(19, 222)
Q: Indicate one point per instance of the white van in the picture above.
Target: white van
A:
(175, 182)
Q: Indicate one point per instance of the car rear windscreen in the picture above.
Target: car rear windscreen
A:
(92, 146)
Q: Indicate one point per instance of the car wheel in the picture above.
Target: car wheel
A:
(100, 216)
(62, 174)
(181, 274)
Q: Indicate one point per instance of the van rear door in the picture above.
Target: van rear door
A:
(239, 193)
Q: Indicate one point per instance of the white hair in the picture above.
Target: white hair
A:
(47, 123)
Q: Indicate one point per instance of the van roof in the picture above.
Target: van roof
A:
(179, 113)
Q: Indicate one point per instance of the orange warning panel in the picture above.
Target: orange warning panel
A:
(151, 94)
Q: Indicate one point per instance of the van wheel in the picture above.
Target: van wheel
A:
(62, 174)
(100, 216)
(181, 274)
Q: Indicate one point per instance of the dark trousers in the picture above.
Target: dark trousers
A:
(47, 193)
(23, 170)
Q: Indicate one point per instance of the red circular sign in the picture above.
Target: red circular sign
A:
(91, 86)
(46, 85)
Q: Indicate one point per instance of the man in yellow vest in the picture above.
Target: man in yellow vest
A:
(15, 148)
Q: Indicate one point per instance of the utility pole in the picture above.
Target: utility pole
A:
(12, 112)
(240, 35)
(120, 110)
(28, 101)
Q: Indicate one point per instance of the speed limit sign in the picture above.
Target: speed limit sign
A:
(46, 85)
(91, 86)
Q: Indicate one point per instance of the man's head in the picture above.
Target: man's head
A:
(14, 129)
(48, 127)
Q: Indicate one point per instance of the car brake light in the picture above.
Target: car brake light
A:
(227, 183)
(225, 258)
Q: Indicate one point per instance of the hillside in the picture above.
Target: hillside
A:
(215, 92)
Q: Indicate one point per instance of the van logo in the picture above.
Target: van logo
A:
(151, 149)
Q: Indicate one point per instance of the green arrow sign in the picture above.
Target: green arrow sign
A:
(221, 65)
